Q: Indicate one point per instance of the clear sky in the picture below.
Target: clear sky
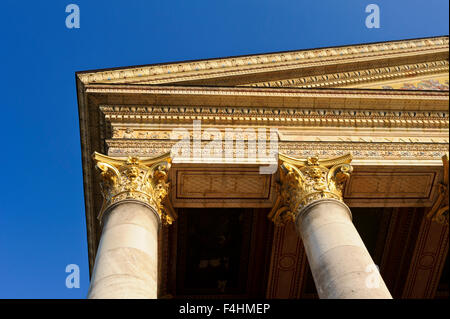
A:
(42, 215)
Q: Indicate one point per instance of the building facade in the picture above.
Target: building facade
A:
(301, 174)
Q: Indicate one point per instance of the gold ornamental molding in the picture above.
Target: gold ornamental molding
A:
(303, 182)
(342, 79)
(388, 150)
(279, 116)
(318, 93)
(241, 65)
(440, 210)
(134, 179)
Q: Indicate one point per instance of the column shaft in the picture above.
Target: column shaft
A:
(340, 263)
(126, 264)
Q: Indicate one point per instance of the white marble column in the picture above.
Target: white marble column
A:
(341, 266)
(126, 264)
(311, 196)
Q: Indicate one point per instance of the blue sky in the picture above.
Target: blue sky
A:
(42, 221)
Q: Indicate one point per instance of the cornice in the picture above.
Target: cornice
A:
(242, 90)
(88, 173)
(343, 79)
(212, 101)
(234, 66)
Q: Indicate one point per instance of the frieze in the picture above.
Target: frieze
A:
(240, 133)
(358, 150)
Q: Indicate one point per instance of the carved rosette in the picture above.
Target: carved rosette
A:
(304, 182)
(440, 210)
(132, 179)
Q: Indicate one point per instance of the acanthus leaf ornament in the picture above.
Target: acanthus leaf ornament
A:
(135, 179)
(303, 182)
(440, 211)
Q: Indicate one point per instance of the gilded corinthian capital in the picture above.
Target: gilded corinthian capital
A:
(305, 181)
(134, 179)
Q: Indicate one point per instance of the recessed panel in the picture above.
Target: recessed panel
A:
(390, 185)
(218, 185)
(222, 184)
